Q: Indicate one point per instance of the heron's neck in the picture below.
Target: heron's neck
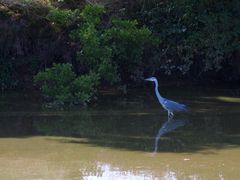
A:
(160, 98)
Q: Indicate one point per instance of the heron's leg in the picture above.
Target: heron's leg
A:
(170, 115)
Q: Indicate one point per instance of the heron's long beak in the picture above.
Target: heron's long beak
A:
(147, 79)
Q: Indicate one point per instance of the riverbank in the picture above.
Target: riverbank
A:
(31, 42)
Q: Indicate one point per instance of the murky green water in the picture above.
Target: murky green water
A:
(115, 138)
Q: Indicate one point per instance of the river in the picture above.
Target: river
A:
(120, 137)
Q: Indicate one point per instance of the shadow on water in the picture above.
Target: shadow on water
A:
(129, 123)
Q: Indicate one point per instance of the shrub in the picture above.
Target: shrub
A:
(61, 83)
(114, 52)
(95, 54)
(55, 81)
(92, 14)
(197, 36)
(108, 54)
(127, 41)
(83, 87)
(62, 16)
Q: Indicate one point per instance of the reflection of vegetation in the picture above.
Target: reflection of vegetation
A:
(128, 132)
(122, 126)
(125, 131)
(81, 125)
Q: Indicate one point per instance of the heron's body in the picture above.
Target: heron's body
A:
(170, 106)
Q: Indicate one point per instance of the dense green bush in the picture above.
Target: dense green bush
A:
(62, 17)
(199, 39)
(95, 54)
(114, 51)
(127, 42)
(108, 54)
(28, 42)
(61, 83)
(56, 81)
(93, 14)
(197, 36)
(84, 87)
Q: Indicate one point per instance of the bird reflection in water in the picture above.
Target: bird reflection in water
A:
(167, 127)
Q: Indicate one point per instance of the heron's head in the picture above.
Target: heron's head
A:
(151, 79)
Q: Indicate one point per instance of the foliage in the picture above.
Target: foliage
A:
(127, 41)
(61, 83)
(199, 39)
(197, 36)
(27, 42)
(62, 17)
(5, 73)
(55, 81)
(96, 55)
(104, 51)
(92, 14)
(115, 51)
(83, 87)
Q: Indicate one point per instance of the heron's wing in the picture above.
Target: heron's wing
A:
(174, 106)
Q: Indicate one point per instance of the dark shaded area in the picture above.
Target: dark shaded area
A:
(199, 40)
(126, 123)
(28, 43)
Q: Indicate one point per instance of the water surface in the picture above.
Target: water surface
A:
(116, 137)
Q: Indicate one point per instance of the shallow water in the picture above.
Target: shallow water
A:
(116, 137)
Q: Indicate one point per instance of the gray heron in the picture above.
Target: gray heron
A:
(169, 105)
